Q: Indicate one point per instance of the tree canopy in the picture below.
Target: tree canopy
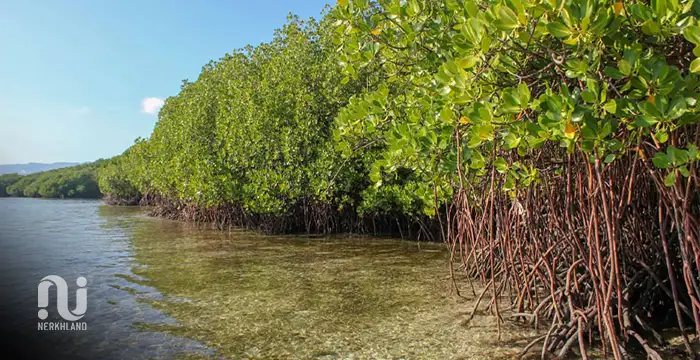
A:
(255, 130)
(71, 182)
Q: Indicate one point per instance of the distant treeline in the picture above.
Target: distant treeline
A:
(71, 182)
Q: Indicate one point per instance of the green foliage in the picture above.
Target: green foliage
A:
(71, 182)
(473, 81)
(253, 130)
(7, 180)
(389, 105)
(111, 179)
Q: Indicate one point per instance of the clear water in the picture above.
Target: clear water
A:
(164, 289)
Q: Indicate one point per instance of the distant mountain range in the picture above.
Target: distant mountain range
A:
(29, 168)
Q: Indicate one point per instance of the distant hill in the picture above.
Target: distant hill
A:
(29, 168)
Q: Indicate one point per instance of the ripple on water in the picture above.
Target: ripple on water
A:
(71, 239)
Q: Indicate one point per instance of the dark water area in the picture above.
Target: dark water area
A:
(159, 289)
(73, 239)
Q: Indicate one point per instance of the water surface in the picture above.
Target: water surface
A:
(70, 239)
(165, 289)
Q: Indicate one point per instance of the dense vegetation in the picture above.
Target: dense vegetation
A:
(5, 181)
(555, 142)
(250, 143)
(567, 132)
(112, 181)
(71, 182)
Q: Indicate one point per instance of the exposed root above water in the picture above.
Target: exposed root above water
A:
(605, 256)
(305, 217)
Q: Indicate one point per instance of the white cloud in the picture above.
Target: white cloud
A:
(151, 105)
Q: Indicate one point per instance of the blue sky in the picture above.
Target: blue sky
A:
(74, 74)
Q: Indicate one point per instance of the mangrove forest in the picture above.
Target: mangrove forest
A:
(78, 181)
(552, 145)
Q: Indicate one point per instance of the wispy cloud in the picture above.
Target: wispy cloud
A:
(151, 105)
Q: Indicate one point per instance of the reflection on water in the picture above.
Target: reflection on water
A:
(164, 289)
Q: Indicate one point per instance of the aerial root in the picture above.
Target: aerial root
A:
(602, 266)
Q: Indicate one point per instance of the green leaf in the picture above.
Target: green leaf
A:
(477, 161)
(692, 34)
(649, 109)
(610, 107)
(613, 73)
(501, 165)
(485, 114)
(375, 175)
(511, 141)
(467, 62)
(471, 7)
(413, 8)
(592, 84)
(508, 20)
(678, 108)
(695, 66)
(645, 121)
(676, 155)
(693, 152)
(661, 137)
(446, 114)
(522, 150)
(625, 67)
(659, 7)
(661, 161)
(558, 29)
(670, 179)
(509, 183)
(650, 27)
(589, 96)
(485, 131)
(524, 93)
(511, 103)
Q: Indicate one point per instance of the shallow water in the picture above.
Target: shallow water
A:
(164, 289)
